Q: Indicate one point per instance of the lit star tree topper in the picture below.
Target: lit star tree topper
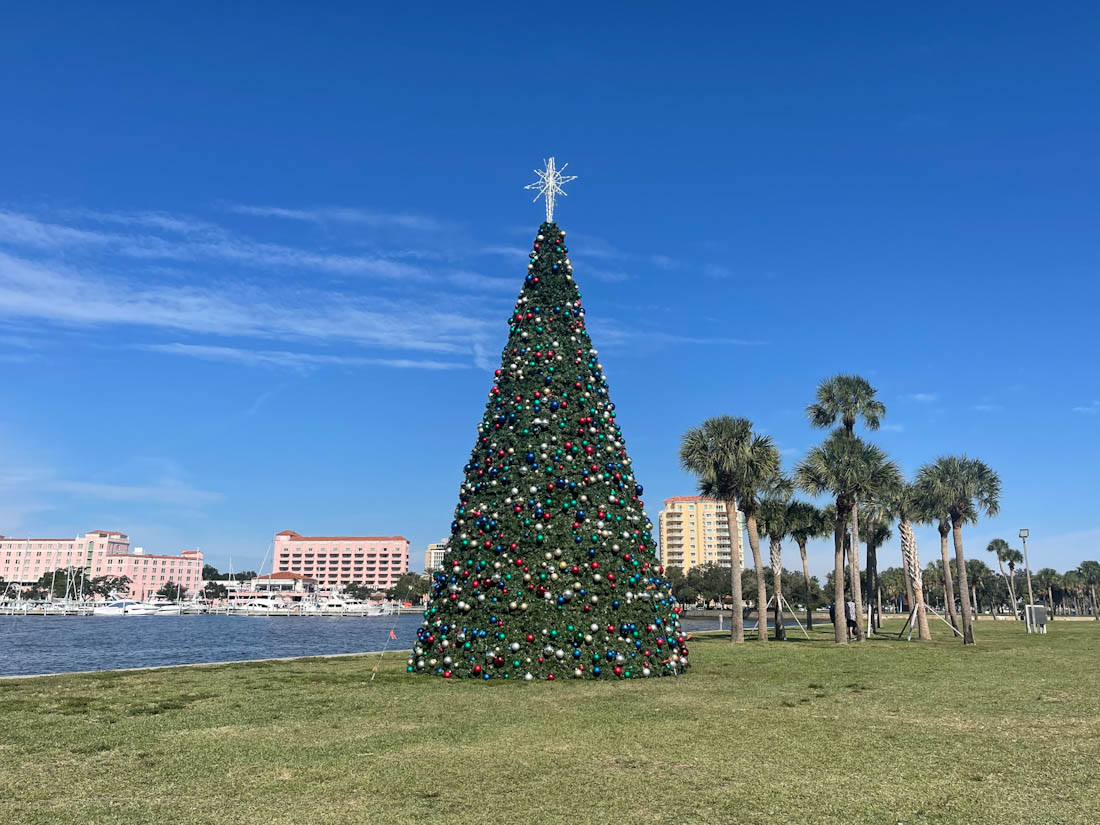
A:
(549, 185)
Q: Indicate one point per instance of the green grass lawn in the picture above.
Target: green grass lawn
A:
(799, 732)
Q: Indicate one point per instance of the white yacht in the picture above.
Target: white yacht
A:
(350, 607)
(257, 607)
(126, 607)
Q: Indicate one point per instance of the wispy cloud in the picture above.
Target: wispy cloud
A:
(609, 276)
(339, 214)
(299, 361)
(167, 491)
(17, 357)
(892, 428)
(151, 270)
(595, 247)
(16, 342)
(613, 332)
(506, 251)
(172, 493)
(584, 246)
(717, 272)
(259, 401)
(473, 280)
(672, 338)
(924, 397)
(149, 220)
(1088, 409)
(33, 290)
(24, 231)
(987, 407)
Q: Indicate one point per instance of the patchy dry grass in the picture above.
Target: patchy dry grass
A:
(801, 732)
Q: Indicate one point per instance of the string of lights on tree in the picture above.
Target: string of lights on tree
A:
(550, 570)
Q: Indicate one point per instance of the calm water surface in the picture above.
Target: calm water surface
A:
(56, 644)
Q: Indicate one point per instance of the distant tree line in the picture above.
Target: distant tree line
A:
(210, 573)
(75, 582)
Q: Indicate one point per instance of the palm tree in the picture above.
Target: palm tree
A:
(738, 467)
(773, 523)
(760, 477)
(1000, 548)
(929, 511)
(978, 574)
(875, 531)
(1047, 579)
(1073, 584)
(1013, 557)
(715, 453)
(806, 522)
(1090, 572)
(962, 487)
(846, 398)
(848, 468)
(905, 507)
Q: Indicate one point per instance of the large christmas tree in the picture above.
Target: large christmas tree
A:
(550, 569)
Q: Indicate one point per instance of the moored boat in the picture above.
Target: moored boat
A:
(126, 607)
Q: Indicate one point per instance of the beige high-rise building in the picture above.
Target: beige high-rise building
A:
(433, 558)
(694, 530)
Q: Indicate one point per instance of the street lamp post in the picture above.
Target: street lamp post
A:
(1023, 537)
(1024, 533)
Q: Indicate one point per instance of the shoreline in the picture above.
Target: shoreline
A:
(378, 653)
(203, 664)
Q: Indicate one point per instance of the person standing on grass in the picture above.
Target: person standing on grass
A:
(850, 615)
(832, 612)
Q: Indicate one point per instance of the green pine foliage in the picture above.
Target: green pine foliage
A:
(550, 570)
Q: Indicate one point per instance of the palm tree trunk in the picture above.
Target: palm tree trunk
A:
(948, 590)
(761, 585)
(878, 603)
(1095, 612)
(853, 572)
(1008, 586)
(1012, 592)
(840, 629)
(909, 601)
(737, 611)
(964, 587)
(912, 561)
(776, 551)
(873, 594)
(806, 576)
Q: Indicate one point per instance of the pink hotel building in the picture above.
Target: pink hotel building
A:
(375, 561)
(100, 553)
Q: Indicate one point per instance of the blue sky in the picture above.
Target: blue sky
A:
(256, 260)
